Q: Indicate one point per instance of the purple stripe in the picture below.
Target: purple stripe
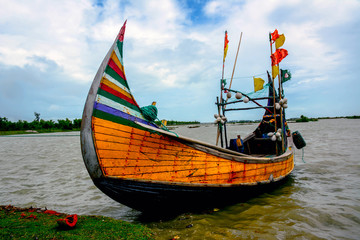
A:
(121, 114)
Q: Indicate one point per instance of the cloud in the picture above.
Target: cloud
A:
(172, 51)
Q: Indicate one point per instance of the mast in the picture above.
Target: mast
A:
(274, 98)
(222, 85)
(281, 112)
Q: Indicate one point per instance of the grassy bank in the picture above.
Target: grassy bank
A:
(35, 223)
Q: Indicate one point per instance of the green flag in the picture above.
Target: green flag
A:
(285, 75)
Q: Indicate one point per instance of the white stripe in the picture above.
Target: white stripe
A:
(110, 103)
(118, 55)
(114, 81)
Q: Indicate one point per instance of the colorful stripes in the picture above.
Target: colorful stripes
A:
(114, 100)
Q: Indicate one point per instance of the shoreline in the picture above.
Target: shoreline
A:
(37, 223)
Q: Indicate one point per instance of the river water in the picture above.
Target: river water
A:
(320, 199)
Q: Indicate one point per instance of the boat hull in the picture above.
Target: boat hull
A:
(151, 197)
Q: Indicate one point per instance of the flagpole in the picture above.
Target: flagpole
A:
(273, 86)
(281, 111)
(219, 133)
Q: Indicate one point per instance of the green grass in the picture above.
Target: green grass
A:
(44, 226)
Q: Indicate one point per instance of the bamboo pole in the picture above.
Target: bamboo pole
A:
(219, 132)
(232, 75)
(281, 112)
(221, 97)
(274, 99)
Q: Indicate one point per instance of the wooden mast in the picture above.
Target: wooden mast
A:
(281, 112)
(274, 98)
(219, 132)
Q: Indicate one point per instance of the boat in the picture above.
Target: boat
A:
(149, 168)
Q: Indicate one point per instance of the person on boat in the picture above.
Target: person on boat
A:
(240, 143)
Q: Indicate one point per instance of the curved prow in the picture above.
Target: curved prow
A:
(110, 99)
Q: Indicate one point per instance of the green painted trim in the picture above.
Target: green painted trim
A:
(120, 47)
(116, 76)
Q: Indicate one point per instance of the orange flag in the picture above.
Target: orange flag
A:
(278, 55)
(226, 45)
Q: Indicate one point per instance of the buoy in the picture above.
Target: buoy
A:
(285, 105)
(246, 100)
(279, 130)
(284, 100)
(279, 139)
(298, 140)
(270, 134)
(228, 95)
(216, 115)
(277, 134)
(238, 95)
(273, 138)
(277, 106)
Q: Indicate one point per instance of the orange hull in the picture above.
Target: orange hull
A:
(130, 153)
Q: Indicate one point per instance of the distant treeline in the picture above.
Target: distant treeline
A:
(306, 119)
(172, 122)
(348, 117)
(39, 124)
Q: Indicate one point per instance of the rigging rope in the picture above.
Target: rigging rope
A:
(150, 113)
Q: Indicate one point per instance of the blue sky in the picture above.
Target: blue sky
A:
(51, 50)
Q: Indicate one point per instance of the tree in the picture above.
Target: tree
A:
(37, 116)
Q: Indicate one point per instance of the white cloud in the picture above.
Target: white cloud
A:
(168, 50)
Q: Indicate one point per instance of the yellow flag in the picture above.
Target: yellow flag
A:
(280, 41)
(275, 71)
(258, 84)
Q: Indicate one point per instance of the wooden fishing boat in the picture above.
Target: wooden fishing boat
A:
(143, 166)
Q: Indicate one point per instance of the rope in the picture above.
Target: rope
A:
(303, 155)
(150, 113)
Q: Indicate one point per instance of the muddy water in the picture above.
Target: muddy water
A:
(320, 199)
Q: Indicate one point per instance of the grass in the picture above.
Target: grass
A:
(34, 223)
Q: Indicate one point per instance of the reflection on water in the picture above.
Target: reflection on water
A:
(320, 199)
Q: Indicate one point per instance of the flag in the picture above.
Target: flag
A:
(279, 41)
(275, 71)
(285, 75)
(278, 55)
(226, 45)
(274, 35)
(258, 84)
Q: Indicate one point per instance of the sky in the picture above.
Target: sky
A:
(50, 52)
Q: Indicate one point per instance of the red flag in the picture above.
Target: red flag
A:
(226, 45)
(122, 32)
(274, 35)
(278, 55)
